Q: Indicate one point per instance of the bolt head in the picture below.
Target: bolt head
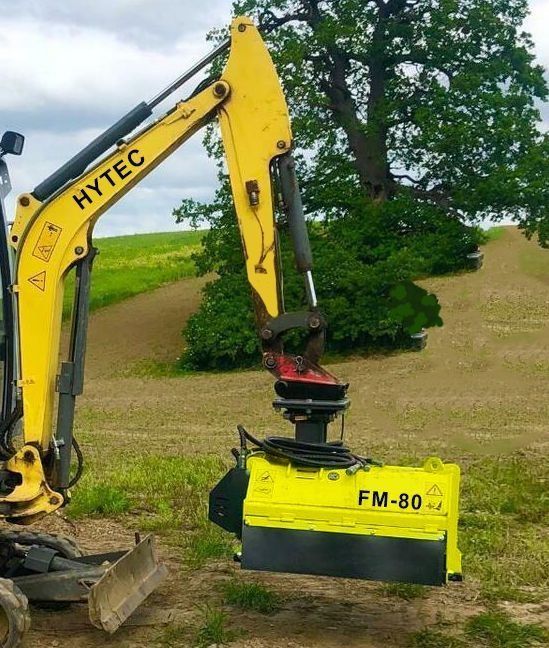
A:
(219, 90)
(281, 144)
(28, 457)
(270, 362)
(79, 250)
(24, 201)
(241, 28)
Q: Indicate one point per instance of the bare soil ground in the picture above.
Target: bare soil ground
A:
(146, 327)
(480, 388)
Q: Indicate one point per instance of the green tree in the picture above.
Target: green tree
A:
(413, 118)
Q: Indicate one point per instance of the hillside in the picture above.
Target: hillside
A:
(477, 395)
(130, 265)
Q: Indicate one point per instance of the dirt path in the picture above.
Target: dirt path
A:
(479, 388)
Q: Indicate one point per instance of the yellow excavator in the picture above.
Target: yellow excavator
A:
(297, 503)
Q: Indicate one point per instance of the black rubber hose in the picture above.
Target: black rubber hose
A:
(315, 455)
(80, 463)
(7, 450)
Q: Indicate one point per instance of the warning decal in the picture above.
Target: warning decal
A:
(435, 507)
(434, 491)
(264, 485)
(39, 280)
(46, 242)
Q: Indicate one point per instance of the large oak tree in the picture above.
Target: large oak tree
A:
(432, 97)
(413, 118)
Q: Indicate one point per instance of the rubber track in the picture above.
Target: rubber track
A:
(65, 545)
(16, 607)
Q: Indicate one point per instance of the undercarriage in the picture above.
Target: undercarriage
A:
(51, 571)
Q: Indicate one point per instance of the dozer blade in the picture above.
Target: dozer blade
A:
(125, 585)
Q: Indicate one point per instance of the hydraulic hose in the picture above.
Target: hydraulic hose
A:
(333, 454)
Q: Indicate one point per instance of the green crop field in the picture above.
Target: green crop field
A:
(129, 265)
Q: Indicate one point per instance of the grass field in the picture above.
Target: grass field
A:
(131, 265)
(477, 395)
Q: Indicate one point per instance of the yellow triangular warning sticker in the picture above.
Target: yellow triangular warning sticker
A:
(45, 251)
(39, 280)
(434, 491)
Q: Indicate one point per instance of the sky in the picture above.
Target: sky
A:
(68, 70)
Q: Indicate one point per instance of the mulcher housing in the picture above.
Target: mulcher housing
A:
(388, 523)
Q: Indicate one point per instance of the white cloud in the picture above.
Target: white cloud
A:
(68, 70)
(537, 24)
(66, 80)
(79, 67)
(160, 23)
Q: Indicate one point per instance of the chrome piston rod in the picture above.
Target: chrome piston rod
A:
(192, 71)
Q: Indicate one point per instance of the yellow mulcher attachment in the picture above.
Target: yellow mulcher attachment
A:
(368, 521)
(387, 523)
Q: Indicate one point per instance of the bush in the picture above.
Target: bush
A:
(359, 258)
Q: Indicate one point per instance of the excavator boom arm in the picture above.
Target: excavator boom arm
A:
(52, 234)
